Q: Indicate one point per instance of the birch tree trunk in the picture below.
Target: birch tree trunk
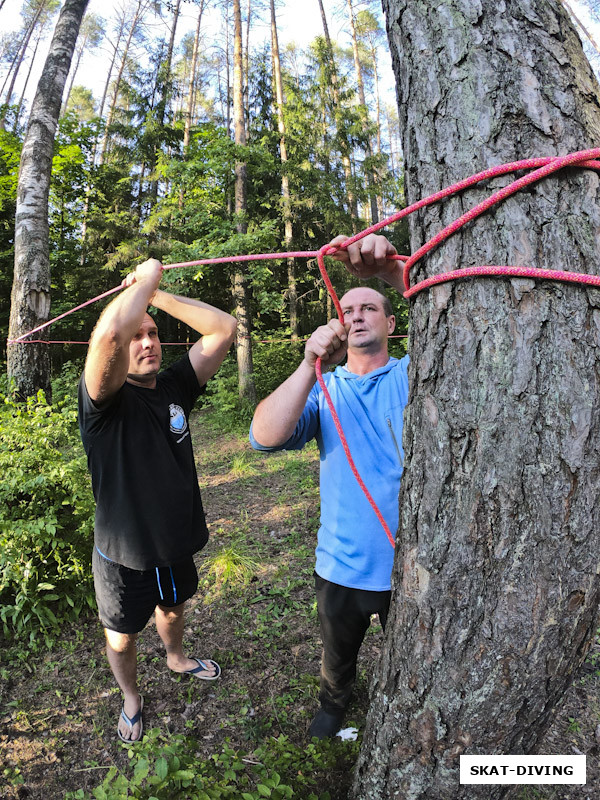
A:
(241, 292)
(496, 582)
(29, 364)
(26, 83)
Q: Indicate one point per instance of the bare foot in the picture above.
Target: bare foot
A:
(205, 669)
(130, 729)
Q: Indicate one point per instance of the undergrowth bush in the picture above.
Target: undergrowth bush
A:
(273, 363)
(171, 769)
(46, 518)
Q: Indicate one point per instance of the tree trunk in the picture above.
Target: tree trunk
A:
(241, 293)
(292, 291)
(163, 76)
(371, 177)
(25, 85)
(378, 121)
(116, 41)
(74, 72)
(29, 364)
(344, 145)
(90, 36)
(246, 63)
(137, 17)
(586, 30)
(228, 98)
(192, 82)
(20, 57)
(496, 582)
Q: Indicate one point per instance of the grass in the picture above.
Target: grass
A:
(232, 566)
(245, 736)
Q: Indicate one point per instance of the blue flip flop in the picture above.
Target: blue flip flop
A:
(203, 666)
(131, 722)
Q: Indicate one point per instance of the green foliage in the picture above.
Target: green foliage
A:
(169, 769)
(222, 395)
(126, 188)
(46, 518)
(274, 360)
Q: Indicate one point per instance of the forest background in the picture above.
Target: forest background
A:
(145, 165)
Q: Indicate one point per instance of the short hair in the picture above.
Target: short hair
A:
(385, 302)
(387, 306)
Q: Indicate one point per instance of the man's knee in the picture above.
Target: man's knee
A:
(170, 614)
(120, 642)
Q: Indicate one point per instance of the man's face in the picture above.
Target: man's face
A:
(145, 354)
(364, 313)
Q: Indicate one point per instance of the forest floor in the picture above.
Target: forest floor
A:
(255, 614)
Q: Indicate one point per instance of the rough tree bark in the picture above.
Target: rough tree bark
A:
(371, 176)
(496, 580)
(344, 144)
(292, 290)
(29, 364)
(240, 288)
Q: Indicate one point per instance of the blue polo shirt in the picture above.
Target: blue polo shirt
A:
(353, 549)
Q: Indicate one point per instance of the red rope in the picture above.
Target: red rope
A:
(328, 400)
(542, 167)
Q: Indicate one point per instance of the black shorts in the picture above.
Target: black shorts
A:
(127, 598)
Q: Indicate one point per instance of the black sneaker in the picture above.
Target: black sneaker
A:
(325, 724)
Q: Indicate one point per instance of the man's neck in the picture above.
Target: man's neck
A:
(361, 362)
(143, 381)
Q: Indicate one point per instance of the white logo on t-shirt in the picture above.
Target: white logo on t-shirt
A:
(178, 422)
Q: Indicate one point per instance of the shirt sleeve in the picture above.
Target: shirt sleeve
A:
(182, 373)
(306, 428)
(91, 417)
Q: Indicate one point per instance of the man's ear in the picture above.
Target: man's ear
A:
(391, 324)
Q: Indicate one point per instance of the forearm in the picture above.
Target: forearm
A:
(371, 257)
(122, 318)
(107, 360)
(217, 329)
(202, 317)
(276, 416)
(394, 277)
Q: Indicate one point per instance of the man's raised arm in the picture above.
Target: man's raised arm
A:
(277, 415)
(369, 257)
(107, 360)
(217, 328)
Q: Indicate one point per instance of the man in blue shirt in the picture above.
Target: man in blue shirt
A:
(354, 556)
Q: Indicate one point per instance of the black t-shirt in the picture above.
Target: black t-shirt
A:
(148, 507)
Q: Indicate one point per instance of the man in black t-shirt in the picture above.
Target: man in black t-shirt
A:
(149, 517)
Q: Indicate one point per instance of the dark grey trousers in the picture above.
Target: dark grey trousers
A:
(344, 617)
